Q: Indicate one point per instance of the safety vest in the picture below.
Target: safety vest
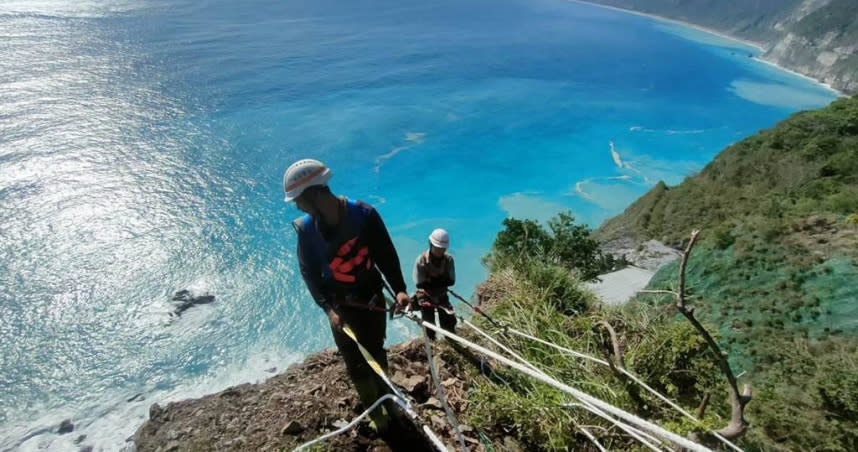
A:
(435, 268)
(343, 265)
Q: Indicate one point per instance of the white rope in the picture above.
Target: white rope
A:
(625, 427)
(525, 362)
(375, 366)
(591, 438)
(440, 391)
(354, 421)
(632, 377)
(582, 396)
(642, 438)
(557, 347)
(721, 438)
(512, 353)
(501, 346)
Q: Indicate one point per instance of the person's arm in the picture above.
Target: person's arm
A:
(383, 252)
(421, 279)
(451, 274)
(312, 276)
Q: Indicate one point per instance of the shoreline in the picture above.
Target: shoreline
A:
(759, 46)
(827, 86)
(756, 45)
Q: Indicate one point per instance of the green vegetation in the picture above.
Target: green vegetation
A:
(807, 165)
(774, 277)
(564, 244)
(535, 296)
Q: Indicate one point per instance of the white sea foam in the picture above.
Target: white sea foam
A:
(414, 138)
(778, 95)
(110, 425)
(616, 156)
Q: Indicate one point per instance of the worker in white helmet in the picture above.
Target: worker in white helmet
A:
(434, 272)
(343, 251)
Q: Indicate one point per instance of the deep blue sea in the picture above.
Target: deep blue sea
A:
(143, 142)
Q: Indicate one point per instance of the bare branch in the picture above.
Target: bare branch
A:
(618, 366)
(701, 410)
(680, 299)
(615, 343)
(737, 401)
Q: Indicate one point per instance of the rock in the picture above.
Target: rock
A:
(79, 439)
(155, 410)
(86, 448)
(292, 428)
(171, 446)
(511, 445)
(66, 426)
(235, 442)
(340, 423)
(412, 384)
(271, 370)
(398, 378)
(137, 398)
(230, 392)
(433, 403)
(185, 300)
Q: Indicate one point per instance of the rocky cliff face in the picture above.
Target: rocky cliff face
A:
(820, 40)
(308, 400)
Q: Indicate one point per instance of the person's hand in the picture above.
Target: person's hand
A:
(403, 302)
(402, 299)
(334, 318)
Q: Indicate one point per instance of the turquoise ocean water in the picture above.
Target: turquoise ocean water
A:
(142, 145)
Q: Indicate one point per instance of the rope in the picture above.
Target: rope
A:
(407, 405)
(635, 379)
(440, 391)
(499, 345)
(632, 377)
(354, 421)
(634, 433)
(476, 309)
(376, 367)
(557, 347)
(525, 362)
(584, 397)
(591, 438)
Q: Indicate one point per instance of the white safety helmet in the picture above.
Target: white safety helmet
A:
(439, 238)
(302, 174)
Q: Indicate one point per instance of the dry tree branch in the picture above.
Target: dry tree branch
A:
(618, 366)
(738, 401)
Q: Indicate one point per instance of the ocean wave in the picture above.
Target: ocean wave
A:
(666, 132)
(111, 424)
(616, 156)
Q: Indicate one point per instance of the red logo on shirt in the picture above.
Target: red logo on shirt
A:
(348, 261)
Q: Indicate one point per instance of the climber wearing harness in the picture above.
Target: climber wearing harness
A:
(434, 272)
(343, 250)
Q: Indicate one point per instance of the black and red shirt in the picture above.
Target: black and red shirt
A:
(345, 260)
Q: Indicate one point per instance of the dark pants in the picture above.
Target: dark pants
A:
(369, 328)
(428, 309)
